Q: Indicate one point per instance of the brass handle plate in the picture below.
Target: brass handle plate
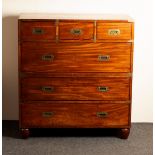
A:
(37, 31)
(47, 114)
(48, 57)
(102, 89)
(76, 31)
(47, 89)
(114, 32)
(102, 114)
(103, 57)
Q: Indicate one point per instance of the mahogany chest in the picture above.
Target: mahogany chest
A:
(75, 71)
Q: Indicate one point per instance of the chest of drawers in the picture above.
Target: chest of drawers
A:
(75, 71)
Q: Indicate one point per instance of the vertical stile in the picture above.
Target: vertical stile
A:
(95, 31)
(57, 30)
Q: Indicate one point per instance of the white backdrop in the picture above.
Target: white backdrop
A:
(140, 10)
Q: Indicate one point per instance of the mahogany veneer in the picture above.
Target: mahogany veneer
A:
(75, 73)
(65, 29)
(125, 30)
(79, 57)
(74, 115)
(48, 31)
(75, 88)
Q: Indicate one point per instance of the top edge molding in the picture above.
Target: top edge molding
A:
(116, 17)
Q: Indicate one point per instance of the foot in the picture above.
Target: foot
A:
(25, 133)
(123, 133)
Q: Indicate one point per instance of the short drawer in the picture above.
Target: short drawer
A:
(74, 115)
(114, 31)
(76, 30)
(84, 57)
(75, 88)
(34, 30)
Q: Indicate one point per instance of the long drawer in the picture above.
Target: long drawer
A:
(75, 88)
(65, 57)
(74, 115)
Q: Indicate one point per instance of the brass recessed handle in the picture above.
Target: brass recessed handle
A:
(47, 114)
(114, 32)
(47, 89)
(76, 31)
(37, 31)
(102, 89)
(102, 114)
(103, 58)
(48, 57)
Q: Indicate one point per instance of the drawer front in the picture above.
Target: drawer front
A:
(65, 57)
(71, 115)
(37, 30)
(75, 88)
(114, 31)
(76, 30)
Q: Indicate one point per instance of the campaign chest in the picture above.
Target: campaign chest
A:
(75, 71)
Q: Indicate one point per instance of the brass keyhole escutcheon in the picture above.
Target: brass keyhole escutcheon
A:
(48, 57)
(76, 31)
(37, 31)
(114, 32)
(102, 89)
(47, 89)
(102, 114)
(103, 58)
(47, 114)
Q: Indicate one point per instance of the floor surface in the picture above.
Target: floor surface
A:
(77, 142)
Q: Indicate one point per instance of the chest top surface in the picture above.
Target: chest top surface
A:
(117, 17)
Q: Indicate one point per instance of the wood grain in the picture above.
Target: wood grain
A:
(75, 88)
(26, 30)
(75, 73)
(125, 31)
(78, 102)
(77, 57)
(74, 115)
(87, 29)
